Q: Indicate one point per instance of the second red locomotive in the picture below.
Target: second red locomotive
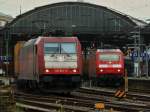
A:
(106, 65)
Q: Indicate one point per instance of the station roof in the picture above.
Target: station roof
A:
(131, 19)
(79, 18)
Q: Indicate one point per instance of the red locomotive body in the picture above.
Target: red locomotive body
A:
(106, 64)
(109, 62)
(51, 62)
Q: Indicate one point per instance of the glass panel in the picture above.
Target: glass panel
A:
(51, 48)
(109, 57)
(68, 48)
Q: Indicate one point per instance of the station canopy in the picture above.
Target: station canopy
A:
(90, 22)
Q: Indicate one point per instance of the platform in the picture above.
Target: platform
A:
(139, 78)
(141, 83)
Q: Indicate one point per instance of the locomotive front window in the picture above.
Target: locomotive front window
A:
(109, 57)
(51, 48)
(68, 48)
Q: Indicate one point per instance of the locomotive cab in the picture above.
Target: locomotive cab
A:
(60, 58)
(109, 62)
(106, 66)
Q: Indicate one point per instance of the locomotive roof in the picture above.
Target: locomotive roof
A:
(56, 38)
(37, 40)
(108, 50)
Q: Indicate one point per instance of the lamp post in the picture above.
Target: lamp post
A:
(7, 48)
(147, 55)
(139, 51)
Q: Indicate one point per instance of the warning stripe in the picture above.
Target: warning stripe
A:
(117, 93)
(120, 94)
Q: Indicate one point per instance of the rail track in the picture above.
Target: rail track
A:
(54, 102)
(145, 97)
(142, 91)
(82, 100)
(136, 104)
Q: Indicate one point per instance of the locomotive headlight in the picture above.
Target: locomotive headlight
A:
(118, 70)
(47, 70)
(74, 70)
(101, 70)
(116, 65)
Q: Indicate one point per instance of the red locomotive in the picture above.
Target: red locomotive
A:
(50, 63)
(106, 65)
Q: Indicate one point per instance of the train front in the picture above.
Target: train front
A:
(62, 63)
(110, 64)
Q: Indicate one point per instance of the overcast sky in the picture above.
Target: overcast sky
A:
(136, 8)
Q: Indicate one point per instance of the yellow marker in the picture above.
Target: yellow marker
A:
(121, 93)
(100, 106)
